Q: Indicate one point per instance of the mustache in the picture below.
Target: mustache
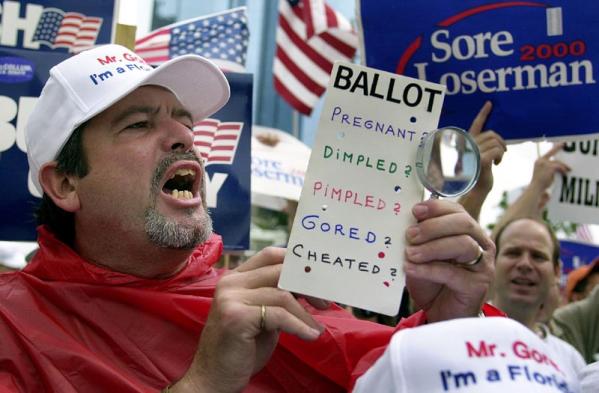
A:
(167, 162)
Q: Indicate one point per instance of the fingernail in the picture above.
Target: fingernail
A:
(319, 303)
(420, 209)
(413, 231)
(313, 334)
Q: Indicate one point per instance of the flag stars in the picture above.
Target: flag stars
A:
(212, 37)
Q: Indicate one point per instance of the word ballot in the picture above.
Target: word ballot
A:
(347, 241)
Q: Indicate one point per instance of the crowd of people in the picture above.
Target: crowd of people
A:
(123, 296)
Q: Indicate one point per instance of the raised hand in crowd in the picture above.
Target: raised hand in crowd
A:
(535, 196)
(492, 147)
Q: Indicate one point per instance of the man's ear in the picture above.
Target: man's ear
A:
(61, 188)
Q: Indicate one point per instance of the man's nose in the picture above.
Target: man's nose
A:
(524, 262)
(177, 137)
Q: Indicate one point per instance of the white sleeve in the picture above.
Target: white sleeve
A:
(378, 378)
(589, 378)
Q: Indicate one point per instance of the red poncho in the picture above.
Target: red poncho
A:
(69, 326)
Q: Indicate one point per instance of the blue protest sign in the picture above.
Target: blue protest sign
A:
(534, 60)
(33, 40)
(35, 36)
(575, 254)
(228, 163)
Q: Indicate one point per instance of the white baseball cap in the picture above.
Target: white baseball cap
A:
(86, 84)
(490, 355)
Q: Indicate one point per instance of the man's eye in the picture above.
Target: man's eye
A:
(139, 124)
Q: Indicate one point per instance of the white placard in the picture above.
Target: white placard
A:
(278, 170)
(575, 196)
(348, 237)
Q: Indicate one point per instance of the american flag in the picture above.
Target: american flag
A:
(311, 36)
(583, 232)
(71, 30)
(217, 141)
(222, 38)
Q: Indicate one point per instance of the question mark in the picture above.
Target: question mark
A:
(393, 272)
(408, 170)
(396, 208)
(387, 241)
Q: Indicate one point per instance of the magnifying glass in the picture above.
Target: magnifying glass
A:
(448, 162)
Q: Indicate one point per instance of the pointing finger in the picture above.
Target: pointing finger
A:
(479, 121)
(556, 147)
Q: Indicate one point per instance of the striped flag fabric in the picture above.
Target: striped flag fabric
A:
(583, 232)
(217, 141)
(222, 37)
(71, 30)
(310, 37)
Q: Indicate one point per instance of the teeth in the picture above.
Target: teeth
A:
(184, 172)
(183, 194)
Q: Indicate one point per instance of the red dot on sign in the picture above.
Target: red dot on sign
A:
(307, 269)
(386, 283)
(381, 254)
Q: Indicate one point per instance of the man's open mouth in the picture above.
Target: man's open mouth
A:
(523, 281)
(181, 184)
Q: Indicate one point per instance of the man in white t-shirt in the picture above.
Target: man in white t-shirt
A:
(469, 355)
(526, 268)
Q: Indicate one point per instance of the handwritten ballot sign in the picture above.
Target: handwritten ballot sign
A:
(347, 242)
(575, 195)
(491, 355)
